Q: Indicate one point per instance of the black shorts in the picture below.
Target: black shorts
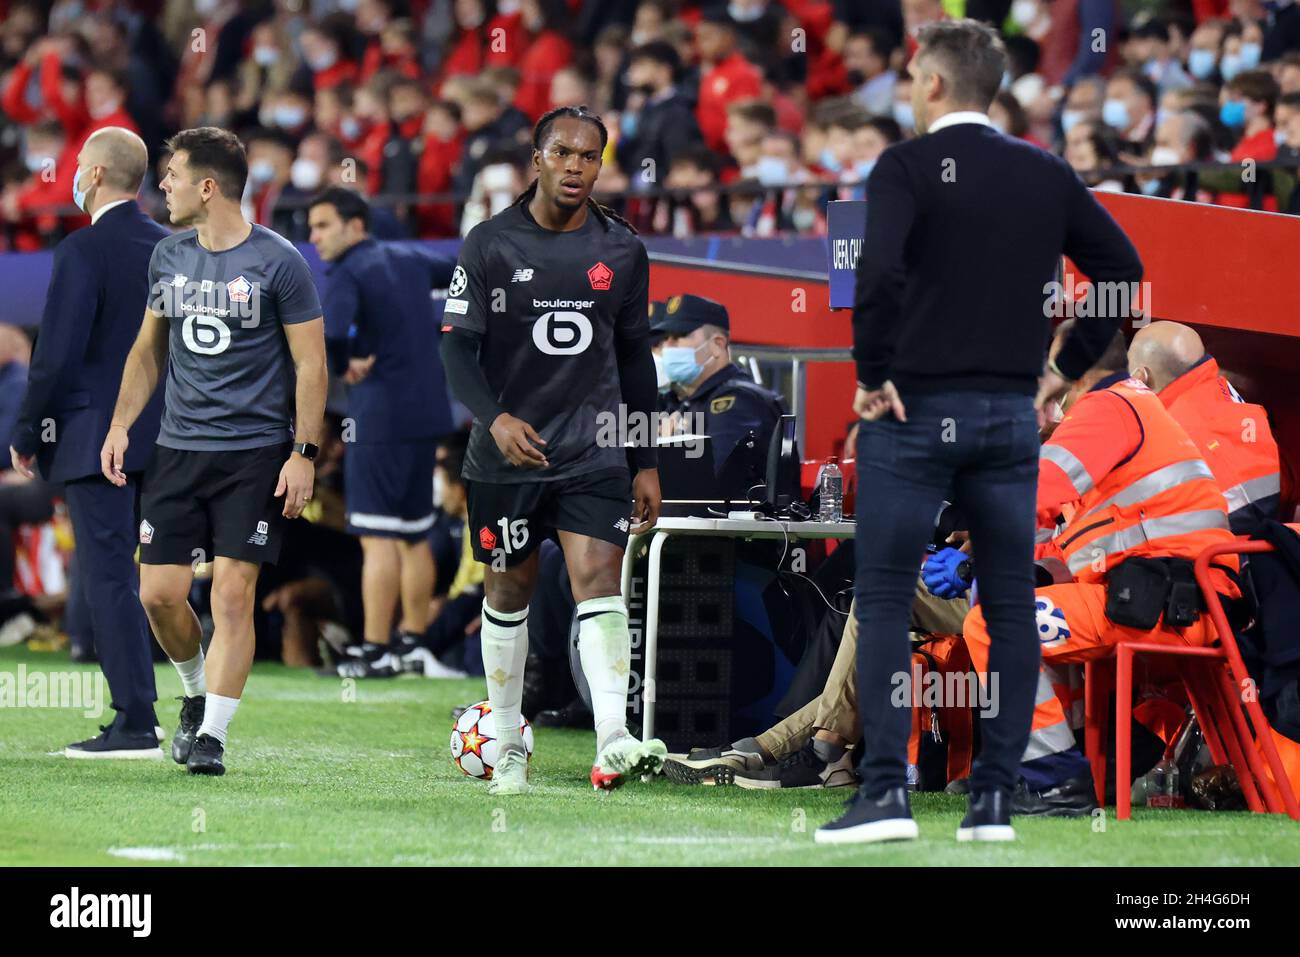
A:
(510, 521)
(195, 506)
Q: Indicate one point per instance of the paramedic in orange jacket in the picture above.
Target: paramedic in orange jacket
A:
(1232, 434)
(1133, 485)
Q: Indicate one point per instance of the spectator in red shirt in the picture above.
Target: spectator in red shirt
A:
(33, 206)
(1246, 105)
(507, 36)
(60, 88)
(270, 161)
(726, 76)
(748, 122)
(444, 139)
(1130, 110)
(395, 49)
(467, 48)
(548, 51)
(324, 55)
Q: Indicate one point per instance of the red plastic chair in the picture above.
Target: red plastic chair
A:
(1215, 679)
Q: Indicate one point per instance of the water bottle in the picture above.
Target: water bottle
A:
(830, 488)
(1162, 785)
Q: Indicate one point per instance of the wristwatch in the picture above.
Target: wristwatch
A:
(307, 450)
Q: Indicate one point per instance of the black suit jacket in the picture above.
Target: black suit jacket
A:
(98, 291)
(965, 229)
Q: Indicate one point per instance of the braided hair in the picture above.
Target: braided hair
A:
(543, 128)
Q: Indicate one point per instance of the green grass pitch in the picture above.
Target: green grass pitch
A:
(316, 780)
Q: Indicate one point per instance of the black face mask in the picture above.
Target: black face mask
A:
(1289, 154)
(645, 89)
(856, 78)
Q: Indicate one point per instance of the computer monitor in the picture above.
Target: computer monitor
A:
(782, 467)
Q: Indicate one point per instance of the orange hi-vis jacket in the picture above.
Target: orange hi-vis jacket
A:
(1137, 482)
(1235, 440)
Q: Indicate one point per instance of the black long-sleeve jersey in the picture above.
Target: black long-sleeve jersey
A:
(555, 312)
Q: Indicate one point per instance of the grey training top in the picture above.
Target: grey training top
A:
(230, 381)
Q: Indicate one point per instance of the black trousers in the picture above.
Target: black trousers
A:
(980, 451)
(104, 523)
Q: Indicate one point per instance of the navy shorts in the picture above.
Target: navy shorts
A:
(509, 521)
(389, 487)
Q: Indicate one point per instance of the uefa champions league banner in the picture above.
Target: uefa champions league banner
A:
(846, 225)
(26, 276)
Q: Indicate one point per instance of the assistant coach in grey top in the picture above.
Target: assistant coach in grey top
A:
(234, 318)
(965, 231)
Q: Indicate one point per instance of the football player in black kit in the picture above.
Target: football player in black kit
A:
(545, 338)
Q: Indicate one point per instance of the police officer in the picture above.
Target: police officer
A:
(712, 395)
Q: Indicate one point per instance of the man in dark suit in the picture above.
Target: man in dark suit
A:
(965, 230)
(98, 291)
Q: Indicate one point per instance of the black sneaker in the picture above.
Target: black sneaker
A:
(572, 715)
(988, 819)
(205, 757)
(803, 769)
(868, 820)
(958, 786)
(115, 743)
(373, 661)
(714, 765)
(191, 718)
(1073, 798)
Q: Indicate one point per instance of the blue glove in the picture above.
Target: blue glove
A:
(941, 573)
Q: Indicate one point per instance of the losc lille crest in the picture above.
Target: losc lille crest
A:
(600, 276)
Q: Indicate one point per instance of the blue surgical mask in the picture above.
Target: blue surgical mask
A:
(1070, 119)
(680, 365)
(864, 168)
(1230, 66)
(261, 171)
(1114, 113)
(828, 160)
(771, 170)
(661, 377)
(1250, 53)
(1279, 137)
(1233, 113)
(1200, 63)
(78, 194)
(904, 116)
(289, 117)
(1152, 187)
(266, 56)
(37, 161)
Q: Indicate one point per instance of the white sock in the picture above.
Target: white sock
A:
(503, 637)
(192, 677)
(217, 712)
(606, 651)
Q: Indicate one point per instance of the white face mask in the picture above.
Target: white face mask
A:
(305, 174)
(261, 171)
(439, 489)
(660, 375)
(1165, 156)
(1024, 12)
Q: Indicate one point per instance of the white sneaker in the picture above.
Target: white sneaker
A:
(510, 776)
(625, 756)
(422, 661)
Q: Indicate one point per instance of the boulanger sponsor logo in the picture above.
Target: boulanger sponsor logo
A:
(77, 690)
(74, 909)
(207, 309)
(563, 303)
(562, 332)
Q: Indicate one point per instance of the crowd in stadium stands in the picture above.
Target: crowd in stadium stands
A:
(428, 104)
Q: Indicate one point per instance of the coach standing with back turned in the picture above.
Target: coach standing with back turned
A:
(99, 284)
(965, 230)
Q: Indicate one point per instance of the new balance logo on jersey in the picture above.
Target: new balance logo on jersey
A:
(622, 525)
(522, 275)
(259, 536)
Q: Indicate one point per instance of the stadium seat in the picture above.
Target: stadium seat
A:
(1211, 676)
